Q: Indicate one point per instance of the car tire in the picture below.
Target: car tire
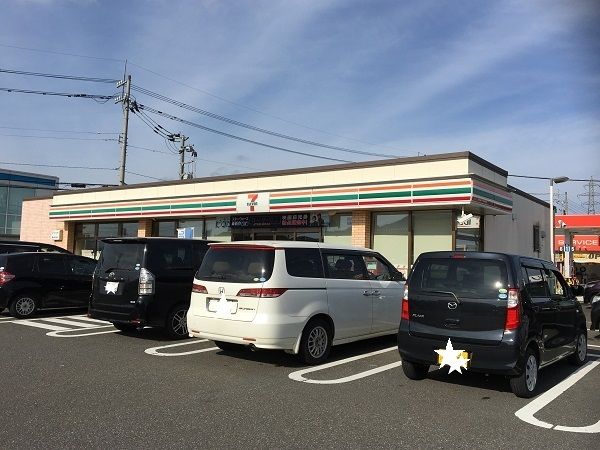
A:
(579, 358)
(176, 326)
(125, 327)
(415, 371)
(23, 305)
(315, 343)
(524, 385)
(230, 347)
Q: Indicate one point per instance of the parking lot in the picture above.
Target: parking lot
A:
(69, 381)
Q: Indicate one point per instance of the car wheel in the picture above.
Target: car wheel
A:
(315, 343)
(177, 323)
(125, 327)
(23, 305)
(524, 385)
(230, 347)
(580, 356)
(415, 371)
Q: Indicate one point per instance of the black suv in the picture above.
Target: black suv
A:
(512, 315)
(7, 246)
(32, 281)
(146, 282)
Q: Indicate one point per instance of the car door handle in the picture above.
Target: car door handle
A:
(376, 292)
(366, 293)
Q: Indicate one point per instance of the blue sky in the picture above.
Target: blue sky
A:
(517, 83)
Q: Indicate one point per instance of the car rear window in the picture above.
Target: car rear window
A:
(236, 264)
(121, 256)
(469, 277)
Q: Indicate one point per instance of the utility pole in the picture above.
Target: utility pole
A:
(182, 157)
(125, 99)
(566, 205)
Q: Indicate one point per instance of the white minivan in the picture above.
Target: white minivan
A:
(302, 297)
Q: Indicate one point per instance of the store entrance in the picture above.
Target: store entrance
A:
(294, 234)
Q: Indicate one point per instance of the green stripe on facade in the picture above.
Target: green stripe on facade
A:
(328, 198)
(465, 190)
(492, 196)
(218, 204)
(275, 201)
(384, 194)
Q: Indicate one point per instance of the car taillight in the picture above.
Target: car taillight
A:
(199, 289)
(261, 292)
(513, 310)
(146, 284)
(5, 277)
(405, 315)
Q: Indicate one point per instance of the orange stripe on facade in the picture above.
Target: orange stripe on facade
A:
(143, 203)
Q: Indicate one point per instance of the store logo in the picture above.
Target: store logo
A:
(252, 201)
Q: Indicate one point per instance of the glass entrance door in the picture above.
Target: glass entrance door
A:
(277, 235)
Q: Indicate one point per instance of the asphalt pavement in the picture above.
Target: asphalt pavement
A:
(68, 382)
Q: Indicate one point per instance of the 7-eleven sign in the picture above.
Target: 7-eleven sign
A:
(252, 202)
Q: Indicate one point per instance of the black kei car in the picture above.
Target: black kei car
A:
(146, 282)
(510, 315)
(7, 246)
(33, 281)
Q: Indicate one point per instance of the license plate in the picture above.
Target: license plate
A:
(111, 287)
(465, 355)
(213, 305)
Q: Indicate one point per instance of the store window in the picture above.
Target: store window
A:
(218, 229)
(390, 238)
(432, 231)
(468, 235)
(88, 236)
(339, 230)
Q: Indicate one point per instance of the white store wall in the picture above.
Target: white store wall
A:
(513, 233)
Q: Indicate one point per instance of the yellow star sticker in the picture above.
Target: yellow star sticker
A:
(454, 359)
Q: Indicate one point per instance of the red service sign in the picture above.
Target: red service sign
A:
(580, 242)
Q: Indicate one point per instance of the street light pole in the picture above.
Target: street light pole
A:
(552, 181)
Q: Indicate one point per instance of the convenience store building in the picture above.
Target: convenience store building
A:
(400, 207)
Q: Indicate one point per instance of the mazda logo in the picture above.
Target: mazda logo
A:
(452, 305)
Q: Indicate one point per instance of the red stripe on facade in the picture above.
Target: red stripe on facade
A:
(385, 202)
(437, 200)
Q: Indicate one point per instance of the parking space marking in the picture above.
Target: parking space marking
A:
(298, 375)
(527, 413)
(88, 319)
(45, 326)
(155, 350)
(595, 346)
(73, 323)
(74, 333)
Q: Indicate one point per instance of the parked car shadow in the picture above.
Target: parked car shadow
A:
(547, 379)
(282, 359)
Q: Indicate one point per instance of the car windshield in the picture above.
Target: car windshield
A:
(121, 256)
(464, 277)
(237, 264)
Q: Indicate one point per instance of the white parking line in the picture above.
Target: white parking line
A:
(595, 346)
(155, 350)
(71, 322)
(298, 375)
(62, 333)
(527, 412)
(45, 326)
(88, 319)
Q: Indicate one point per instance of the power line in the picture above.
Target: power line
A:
(145, 176)
(212, 130)
(252, 127)
(60, 53)
(261, 112)
(58, 166)
(56, 131)
(62, 138)
(59, 94)
(58, 76)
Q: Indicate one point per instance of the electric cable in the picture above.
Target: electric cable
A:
(239, 138)
(252, 127)
(57, 76)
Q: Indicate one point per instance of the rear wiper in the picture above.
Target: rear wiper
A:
(433, 291)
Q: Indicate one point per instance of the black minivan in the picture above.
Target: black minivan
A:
(511, 315)
(146, 282)
(39, 280)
